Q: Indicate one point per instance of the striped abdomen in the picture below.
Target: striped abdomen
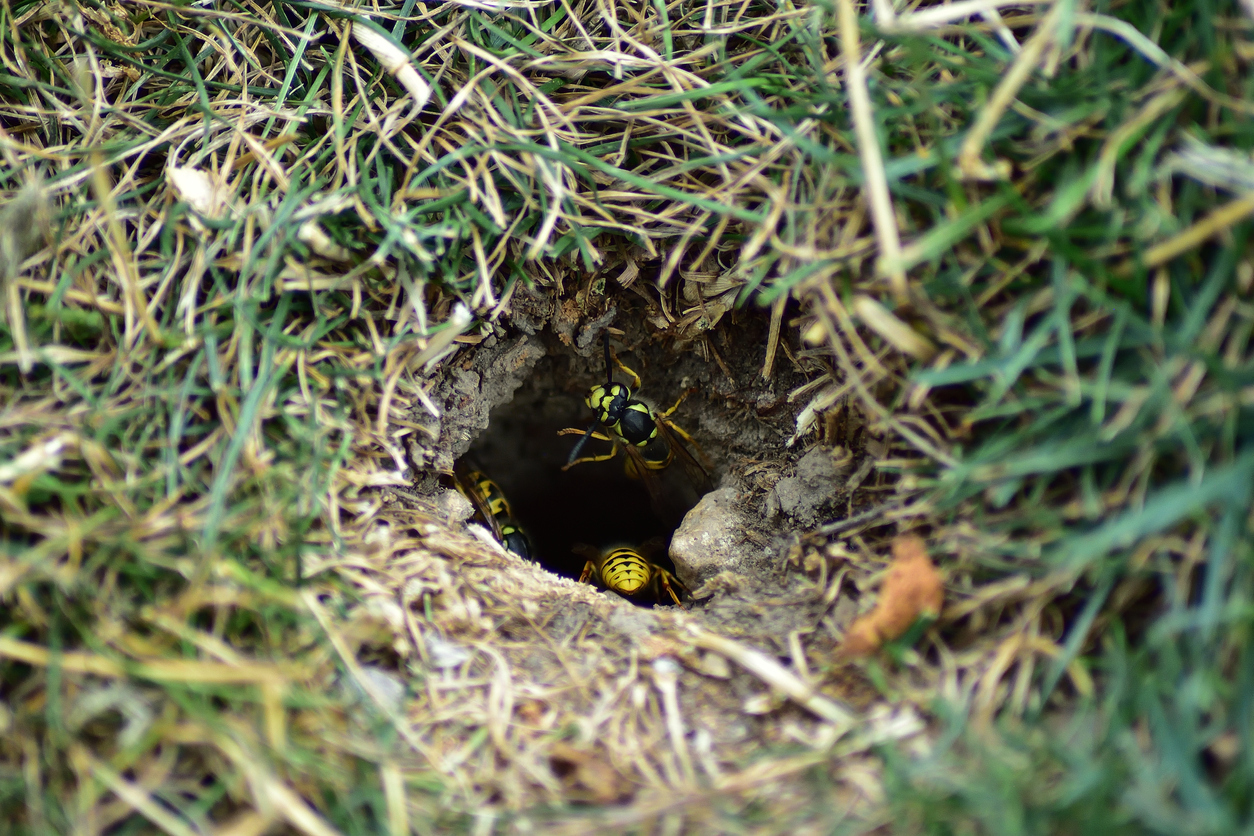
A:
(625, 571)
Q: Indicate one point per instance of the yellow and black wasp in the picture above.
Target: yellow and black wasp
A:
(628, 571)
(650, 440)
(492, 509)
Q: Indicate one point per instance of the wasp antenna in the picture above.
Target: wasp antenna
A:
(609, 368)
(574, 454)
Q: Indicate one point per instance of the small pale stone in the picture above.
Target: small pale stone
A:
(710, 539)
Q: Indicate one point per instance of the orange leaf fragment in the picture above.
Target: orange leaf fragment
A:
(913, 588)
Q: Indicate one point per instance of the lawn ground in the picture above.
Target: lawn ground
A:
(978, 273)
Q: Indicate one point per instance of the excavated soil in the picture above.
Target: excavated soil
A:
(505, 398)
(637, 707)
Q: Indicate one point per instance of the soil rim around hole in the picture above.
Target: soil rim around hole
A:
(740, 419)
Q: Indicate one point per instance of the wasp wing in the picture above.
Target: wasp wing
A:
(468, 484)
(671, 494)
(692, 468)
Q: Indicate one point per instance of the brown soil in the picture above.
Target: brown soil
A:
(577, 650)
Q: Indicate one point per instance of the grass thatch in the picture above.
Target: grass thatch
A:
(234, 256)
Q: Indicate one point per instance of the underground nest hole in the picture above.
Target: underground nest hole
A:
(506, 400)
(592, 503)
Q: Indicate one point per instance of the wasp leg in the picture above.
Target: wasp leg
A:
(632, 470)
(664, 418)
(679, 431)
(635, 378)
(599, 437)
(577, 431)
(589, 569)
(664, 579)
(605, 458)
(689, 440)
(671, 411)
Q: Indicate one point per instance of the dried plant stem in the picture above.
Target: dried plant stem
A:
(129, 792)
(772, 339)
(969, 162)
(775, 675)
(1212, 224)
(666, 678)
(876, 181)
(364, 682)
(853, 374)
(932, 17)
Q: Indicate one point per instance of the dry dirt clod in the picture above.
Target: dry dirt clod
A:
(913, 588)
(814, 486)
(587, 775)
(453, 508)
(711, 538)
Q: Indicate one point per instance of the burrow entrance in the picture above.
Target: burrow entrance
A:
(593, 503)
(739, 420)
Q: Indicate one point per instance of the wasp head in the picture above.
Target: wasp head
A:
(608, 401)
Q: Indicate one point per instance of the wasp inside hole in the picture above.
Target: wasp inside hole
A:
(650, 441)
(629, 572)
(492, 509)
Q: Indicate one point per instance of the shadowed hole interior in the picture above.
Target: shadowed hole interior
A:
(593, 503)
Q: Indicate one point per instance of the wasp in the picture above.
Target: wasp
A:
(650, 440)
(628, 572)
(492, 509)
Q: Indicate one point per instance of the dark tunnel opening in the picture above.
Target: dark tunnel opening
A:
(592, 503)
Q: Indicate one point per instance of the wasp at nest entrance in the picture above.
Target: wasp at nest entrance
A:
(613, 510)
(650, 441)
